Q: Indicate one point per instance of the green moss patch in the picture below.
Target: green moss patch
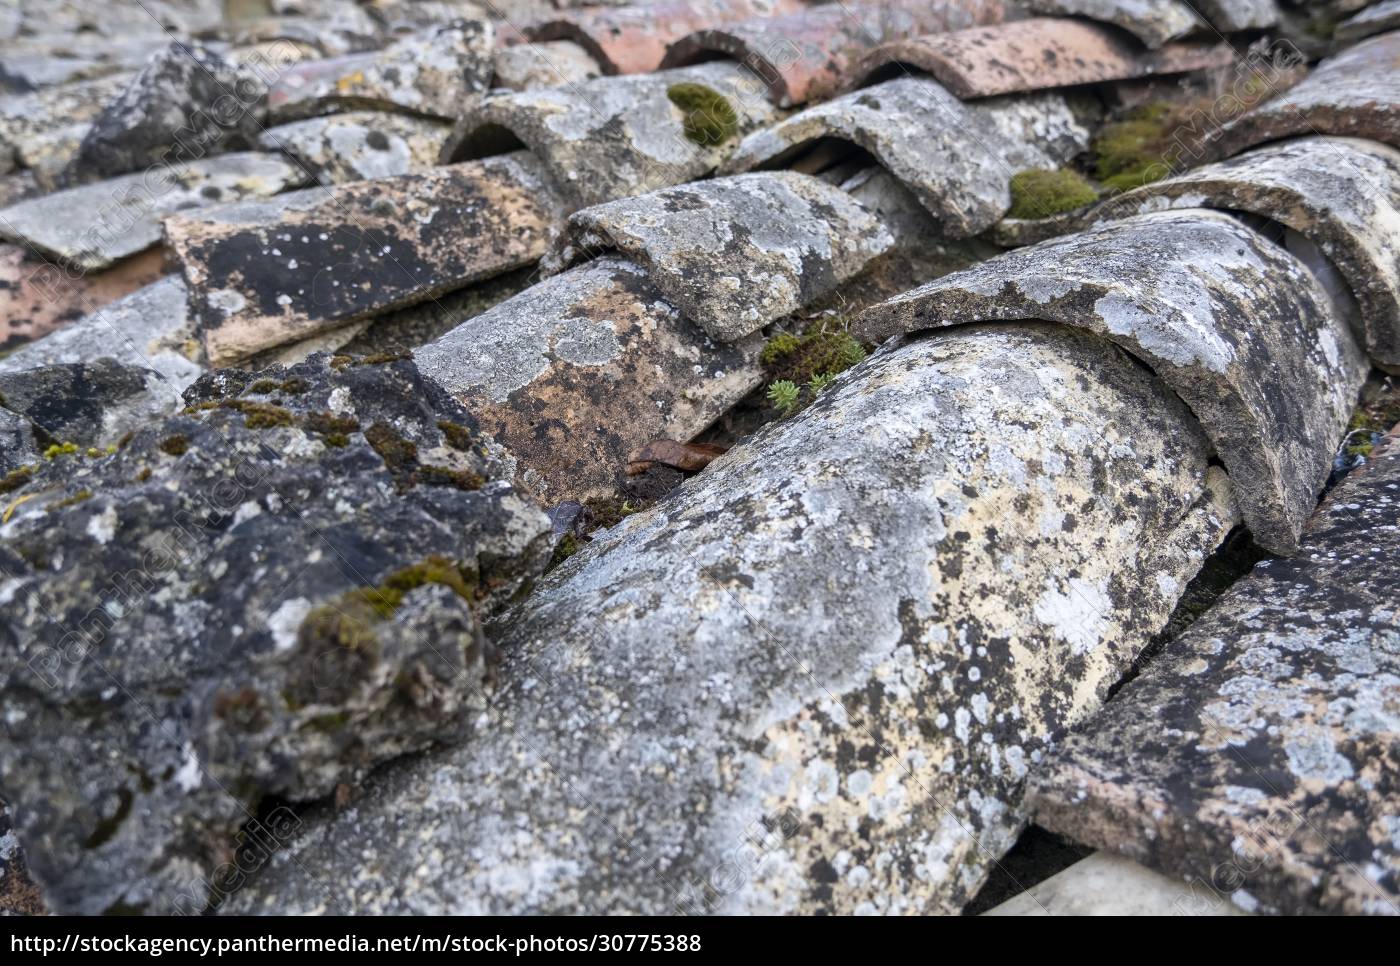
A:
(177, 445)
(709, 117)
(803, 365)
(1038, 193)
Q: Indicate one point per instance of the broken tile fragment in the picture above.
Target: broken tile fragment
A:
(1353, 94)
(956, 158)
(1037, 54)
(1235, 325)
(359, 145)
(91, 226)
(1109, 885)
(431, 74)
(733, 254)
(147, 328)
(184, 105)
(1154, 22)
(616, 137)
(864, 636)
(1376, 19)
(809, 55)
(294, 572)
(633, 39)
(38, 297)
(264, 273)
(1256, 758)
(1342, 194)
(576, 372)
(528, 67)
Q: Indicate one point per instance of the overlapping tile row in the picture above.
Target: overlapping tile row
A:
(956, 158)
(1159, 21)
(1341, 195)
(871, 635)
(654, 334)
(806, 56)
(1256, 758)
(634, 39)
(1236, 326)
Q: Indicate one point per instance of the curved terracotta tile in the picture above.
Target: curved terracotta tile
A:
(633, 40)
(809, 55)
(1035, 54)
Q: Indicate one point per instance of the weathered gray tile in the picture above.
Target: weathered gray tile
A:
(1353, 94)
(833, 654)
(31, 124)
(528, 67)
(294, 571)
(957, 159)
(91, 226)
(1343, 194)
(1235, 325)
(185, 104)
(432, 74)
(576, 372)
(1258, 757)
(733, 254)
(359, 145)
(89, 404)
(265, 273)
(615, 137)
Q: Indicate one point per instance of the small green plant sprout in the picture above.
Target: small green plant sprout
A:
(819, 382)
(709, 117)
(783, 395)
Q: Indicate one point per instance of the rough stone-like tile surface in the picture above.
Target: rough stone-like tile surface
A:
(809, 55)
(830, 658)
(576, 372)
(430, 74)
(1154, 22)
(1039, 53)
(90, 404)
(91, 226)
(1354, 94)
(359, 145)
(633, 39)
(286, 598)
(264, 273)
(1341, 193)
(1375, 19)
(148, 328)
(1235, 325)
(185, 104)
(956, 158)
(1259, 755)
(733, 254)
(528, 67)
(613, 137)
(1109, 885)
(37, 297)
